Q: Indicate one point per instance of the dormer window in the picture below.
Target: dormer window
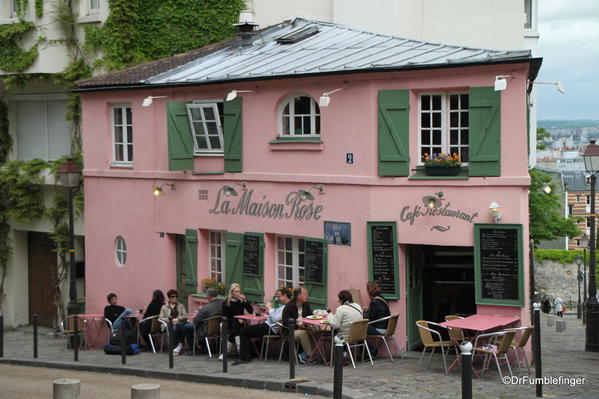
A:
(300, 117)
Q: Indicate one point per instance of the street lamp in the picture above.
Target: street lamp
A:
(69, 175)
(579, 278)
(584, 243)
(591, 164)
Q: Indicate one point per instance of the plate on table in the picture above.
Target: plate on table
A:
(314, 317)
(324, 322)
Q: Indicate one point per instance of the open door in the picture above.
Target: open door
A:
(415, 264)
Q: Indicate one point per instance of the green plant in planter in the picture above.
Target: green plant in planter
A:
(441, 164)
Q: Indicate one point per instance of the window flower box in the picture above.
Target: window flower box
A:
(441, 164)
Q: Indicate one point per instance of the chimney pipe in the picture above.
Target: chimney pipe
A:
(246, 26)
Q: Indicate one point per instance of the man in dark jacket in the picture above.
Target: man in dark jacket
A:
(296, 309)
(214, 308)
(115, 312)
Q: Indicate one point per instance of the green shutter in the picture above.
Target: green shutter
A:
(318, 291)
(253, 284)
(233, 259)
(233, 135)
(180, 138)
(485, 132)
(191, 263)
(394, 122)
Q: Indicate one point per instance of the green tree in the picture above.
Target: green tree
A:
(546, 222)
(542, 134)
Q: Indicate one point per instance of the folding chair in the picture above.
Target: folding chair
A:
(389, 332)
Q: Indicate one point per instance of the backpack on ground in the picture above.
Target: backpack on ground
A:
(132, 349)
(115, 338)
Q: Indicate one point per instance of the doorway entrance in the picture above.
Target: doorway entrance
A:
(42, 275)
(440, 282)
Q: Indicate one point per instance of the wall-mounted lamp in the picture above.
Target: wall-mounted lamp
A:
(325, 99)
(501, 82)
(305, 194)
(229, 191)
(547, 188)
(149, 100)
(495, 210)
(433, 201)
(233, 94)
(159, 190)
(560, 87)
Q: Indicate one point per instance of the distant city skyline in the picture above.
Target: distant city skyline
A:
(569, 45)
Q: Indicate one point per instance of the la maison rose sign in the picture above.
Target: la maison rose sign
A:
(294, 206)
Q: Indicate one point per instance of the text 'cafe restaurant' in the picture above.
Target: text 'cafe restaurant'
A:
(301, 191)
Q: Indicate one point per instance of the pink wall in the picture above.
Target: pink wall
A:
(119, 201)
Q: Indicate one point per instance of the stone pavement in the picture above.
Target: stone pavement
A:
(563, 355)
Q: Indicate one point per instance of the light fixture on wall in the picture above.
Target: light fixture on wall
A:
(433, 201)
(547, 188)
(159, 190)
(320, 188)
(242, 184)
(325, 99)
(149, 100)
(229, 191)
(305, 194)
(233, 94)
(560, 87)
(501, 82)
(495, 210)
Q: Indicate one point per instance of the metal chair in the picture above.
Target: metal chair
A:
(266, 340)
(70, 330)
(357, 337)
(426, 336)
(148, 337)
(389, 332)
(494, 344)
(518, 345)
(212, 333)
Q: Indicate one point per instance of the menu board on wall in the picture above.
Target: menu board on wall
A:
(251, 255)
(498, 258)
(314, 263)
(382, 257)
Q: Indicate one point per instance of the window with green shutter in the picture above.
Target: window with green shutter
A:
(233, 132)
(393, 122)
(180, 140)
(485, 132)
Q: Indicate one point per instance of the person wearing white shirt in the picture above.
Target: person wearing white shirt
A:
(559, 307)
(346, 314)
(283, 294)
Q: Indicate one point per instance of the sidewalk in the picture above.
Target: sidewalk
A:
(563, 355)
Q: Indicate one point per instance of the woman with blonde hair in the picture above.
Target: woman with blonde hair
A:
(235, 304)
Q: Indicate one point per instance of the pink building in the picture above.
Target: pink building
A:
(264, 182)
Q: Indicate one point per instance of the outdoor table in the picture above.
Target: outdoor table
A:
(480, 323)
(322, 327)
(95, 330)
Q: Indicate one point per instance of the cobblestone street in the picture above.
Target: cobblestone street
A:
(563, 355)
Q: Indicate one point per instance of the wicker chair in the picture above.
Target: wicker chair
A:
(69, 332)
(494, 344)
(518, 344)
(357, 337)
(389, 332)
(212, 333)
(426, 336)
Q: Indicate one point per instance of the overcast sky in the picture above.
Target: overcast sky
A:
(569, 45)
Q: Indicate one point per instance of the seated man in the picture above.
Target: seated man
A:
(213, 308)
(183, 331)
(115, 312)
(259, 330)
(296, 309)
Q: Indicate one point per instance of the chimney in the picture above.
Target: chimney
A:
(246, 27)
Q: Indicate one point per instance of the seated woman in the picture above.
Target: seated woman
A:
(377, 309)
(275, 315)
(153, 309)
(346, 314)
(182, 330)
(234, 305)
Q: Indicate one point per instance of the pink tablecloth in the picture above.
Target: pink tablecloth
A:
(481, 322)
(96, 331)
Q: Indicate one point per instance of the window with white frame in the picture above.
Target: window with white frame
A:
(122, 134)
(93, 6)
(299, 117)
(290, 261)
(206, 120)
(444, 124)
(42, 129)
(217, 256)
(120, 248)
(14, 8)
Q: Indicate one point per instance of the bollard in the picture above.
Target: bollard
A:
(536, 347)
(1, 335)
(338, 372)
(123, 346)
(34, 317)
(66, 388)
(145, 391)
(171, 360)
(550, 320)
(291, 338)
(466, 348)
(76, 338)
(225, 343)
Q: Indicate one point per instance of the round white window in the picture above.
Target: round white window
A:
(120, 248)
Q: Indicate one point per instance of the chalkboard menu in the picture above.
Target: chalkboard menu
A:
(251, 255)
(383, 257)
(314, 262)
(498, 256)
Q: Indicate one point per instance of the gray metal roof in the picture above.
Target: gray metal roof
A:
(334, 49)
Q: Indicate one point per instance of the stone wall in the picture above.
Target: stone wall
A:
(555, 279)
